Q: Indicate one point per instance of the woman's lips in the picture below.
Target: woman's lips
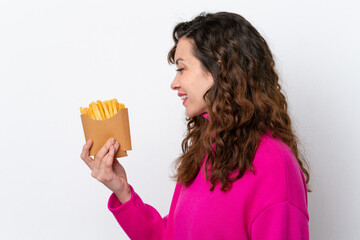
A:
(184, 97)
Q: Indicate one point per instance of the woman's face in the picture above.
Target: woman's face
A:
(191, 81)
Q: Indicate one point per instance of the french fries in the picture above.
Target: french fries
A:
(102, 110)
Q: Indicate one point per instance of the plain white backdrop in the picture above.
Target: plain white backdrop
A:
(56, 56)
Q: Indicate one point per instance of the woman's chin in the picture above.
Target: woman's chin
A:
(191, 114)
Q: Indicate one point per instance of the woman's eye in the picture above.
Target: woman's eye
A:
(180, 69)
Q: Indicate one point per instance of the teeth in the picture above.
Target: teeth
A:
(184, 97)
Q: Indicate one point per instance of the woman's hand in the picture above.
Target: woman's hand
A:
(106, 169)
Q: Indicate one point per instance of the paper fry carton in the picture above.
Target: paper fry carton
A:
(101, 130)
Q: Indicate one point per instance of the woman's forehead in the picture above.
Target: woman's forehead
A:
(183, 51)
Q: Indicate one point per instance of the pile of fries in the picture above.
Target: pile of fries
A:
(102, 110)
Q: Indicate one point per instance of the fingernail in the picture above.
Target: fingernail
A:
(88, 141)
(112, 140)
(116, 144)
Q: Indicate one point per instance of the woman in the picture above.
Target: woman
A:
(241, 175)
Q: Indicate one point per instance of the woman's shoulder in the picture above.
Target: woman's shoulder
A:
(273, 151)
(277, 171)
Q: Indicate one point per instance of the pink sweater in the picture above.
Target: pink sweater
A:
(270, 204)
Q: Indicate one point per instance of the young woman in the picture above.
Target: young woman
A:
(241, 175)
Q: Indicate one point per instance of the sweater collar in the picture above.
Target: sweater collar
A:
(206, 115)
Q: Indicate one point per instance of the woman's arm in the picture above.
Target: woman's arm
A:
(137, 219)
(280, 221)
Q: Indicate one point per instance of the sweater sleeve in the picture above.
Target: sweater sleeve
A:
(138, 220)
(280, 221)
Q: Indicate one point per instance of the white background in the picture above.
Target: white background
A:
(56, 56)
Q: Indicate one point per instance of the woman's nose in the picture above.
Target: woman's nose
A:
(175, 83)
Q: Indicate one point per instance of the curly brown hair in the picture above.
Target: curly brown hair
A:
(246, 97)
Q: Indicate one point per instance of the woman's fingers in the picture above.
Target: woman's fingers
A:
(85, 154)
(106, 173)
(104, 169)
(103, 151)
(107, 164)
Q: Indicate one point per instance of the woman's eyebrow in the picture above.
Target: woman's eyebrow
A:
(179, 59)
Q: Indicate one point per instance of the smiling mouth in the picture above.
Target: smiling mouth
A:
(184, 97)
